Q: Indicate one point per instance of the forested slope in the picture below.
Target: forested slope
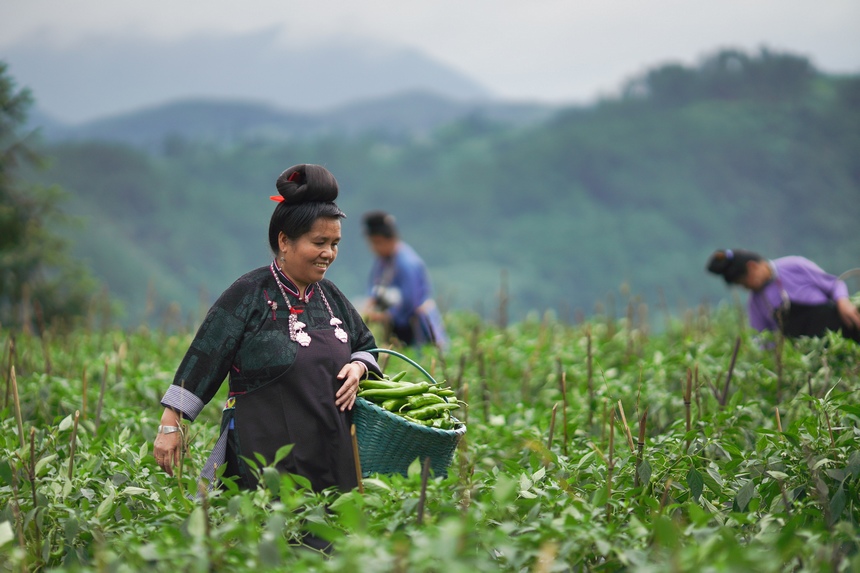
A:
(758, 151)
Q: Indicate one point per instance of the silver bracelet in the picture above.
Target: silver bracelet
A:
(168, 429)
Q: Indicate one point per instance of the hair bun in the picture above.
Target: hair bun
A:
(718, 263)
(307, 183)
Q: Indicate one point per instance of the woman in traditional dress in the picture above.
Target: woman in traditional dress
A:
(790, 294)
(293, 346)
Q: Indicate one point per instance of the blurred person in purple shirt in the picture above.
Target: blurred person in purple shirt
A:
(791, 294)
(401, 295)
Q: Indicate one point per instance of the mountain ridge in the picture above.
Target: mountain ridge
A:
(103, 75)
(406, 114)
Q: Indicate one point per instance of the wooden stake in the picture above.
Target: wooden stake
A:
(73, 445)
(84, 393)
(563, 410)
(665, 494)
(626, 428)
(551, 427)
(829, 429)
(17, 402)
(687, 393)
(422, 497)
(357, 459)
(731, 369)
(611, 465)
(102, 394)
(641, 444)
(590, 373)
(9, 369)
(778, 421)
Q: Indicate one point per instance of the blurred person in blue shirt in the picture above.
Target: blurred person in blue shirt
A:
(400, 293)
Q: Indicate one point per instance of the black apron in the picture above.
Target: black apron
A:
(813, 320)
(299, 408)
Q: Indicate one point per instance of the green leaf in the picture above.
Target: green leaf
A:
(695, 483)
(6, 533)
(43, 463)
(5, 472)
(107, 504)
(505, 489)
(282, 453)
(837, 504)
(745, 495)
(196, 523)
(272, 479)
(66, 423)
(644, 470)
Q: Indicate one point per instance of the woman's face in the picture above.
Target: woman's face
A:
(308, 258)
(757, 275)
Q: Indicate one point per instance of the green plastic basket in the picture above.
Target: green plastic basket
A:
(388, 443)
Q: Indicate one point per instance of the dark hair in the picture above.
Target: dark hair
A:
(308, 193)
(380, 224)
(731, 263)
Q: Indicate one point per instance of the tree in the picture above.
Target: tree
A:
(36, 273)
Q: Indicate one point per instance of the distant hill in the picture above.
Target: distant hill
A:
(616, 203)
(213, 121)
(106, 76)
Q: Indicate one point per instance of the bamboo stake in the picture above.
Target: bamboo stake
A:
(551, 426)
(102, 394)
(605, 415)
(731, 369)
(626, 428)
(779, 346)
(829, 429)
(73, 445)
(640, 452)
(465, 399)
(422, 497)
(590, 371)
(687, 404)
(696, 388)
(19, 521)
(665, 495)
(17, 402)
(32, 476)
(611, 465)
(778, 421)
(357, 458)
(485, 393)
(9, 369)
(84, 393)
(563, 410)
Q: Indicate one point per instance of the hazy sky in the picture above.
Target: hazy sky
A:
(549, 50)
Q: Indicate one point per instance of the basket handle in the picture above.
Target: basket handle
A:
(407, 359)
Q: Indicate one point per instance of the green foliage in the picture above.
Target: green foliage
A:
(34, 265)
(764, 477)
(755, 151)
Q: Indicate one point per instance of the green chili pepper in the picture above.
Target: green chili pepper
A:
(402, 391)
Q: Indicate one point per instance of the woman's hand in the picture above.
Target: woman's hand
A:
(351, 374)
(168, 447)
(849, 313)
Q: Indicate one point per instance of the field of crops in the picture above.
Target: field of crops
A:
(597, 446)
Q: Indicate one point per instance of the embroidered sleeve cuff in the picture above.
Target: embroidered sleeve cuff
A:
(182, 400)
(368, 360)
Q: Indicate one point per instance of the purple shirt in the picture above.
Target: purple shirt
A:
(795, 279)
